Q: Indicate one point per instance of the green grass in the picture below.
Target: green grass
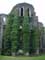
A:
(22, 58)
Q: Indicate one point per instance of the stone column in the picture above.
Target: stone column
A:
(13, 54)
(1, 34)
(19, 11)
(37, 51)
(29, 12)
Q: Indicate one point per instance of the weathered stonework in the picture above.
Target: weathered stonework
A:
(22, 9)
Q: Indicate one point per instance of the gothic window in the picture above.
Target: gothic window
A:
(28, 11)
(31, 14)
(21, 11)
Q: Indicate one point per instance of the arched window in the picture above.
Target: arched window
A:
(21, 11)
(28, 11)
(4, 19)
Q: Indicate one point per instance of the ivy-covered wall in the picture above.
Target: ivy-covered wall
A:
(20, 39)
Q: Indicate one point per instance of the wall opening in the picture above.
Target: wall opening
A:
(28, 11)
(21, 11)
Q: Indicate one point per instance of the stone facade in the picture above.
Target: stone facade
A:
(22, 9)
(2, 27)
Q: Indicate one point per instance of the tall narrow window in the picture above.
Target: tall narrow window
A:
(28, 11)
(21, 11)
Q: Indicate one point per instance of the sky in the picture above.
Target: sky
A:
(39, 5)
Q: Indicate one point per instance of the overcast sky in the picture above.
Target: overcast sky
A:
(39, 5)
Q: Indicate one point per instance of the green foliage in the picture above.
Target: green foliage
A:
(14, 34)
(35, 35)
(7, 33)
(26, 34)
(16, 38)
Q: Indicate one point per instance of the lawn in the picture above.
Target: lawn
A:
(22, 58)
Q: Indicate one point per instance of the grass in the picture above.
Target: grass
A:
(22, 58)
